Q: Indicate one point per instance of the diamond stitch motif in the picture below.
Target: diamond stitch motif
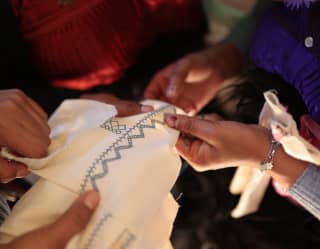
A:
(114, 126)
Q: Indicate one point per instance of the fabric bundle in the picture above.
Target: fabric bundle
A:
(251, 183)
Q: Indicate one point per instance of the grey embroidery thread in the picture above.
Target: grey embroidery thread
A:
(114, 126)
(124, 240)
(116, 148)
(96, 230)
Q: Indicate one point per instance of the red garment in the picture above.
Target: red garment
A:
(310, 130)
(90, 43)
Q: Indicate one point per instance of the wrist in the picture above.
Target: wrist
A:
(286, 169)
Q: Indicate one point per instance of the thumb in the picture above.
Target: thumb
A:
(75, 219)
(58, 234)
(193, 126)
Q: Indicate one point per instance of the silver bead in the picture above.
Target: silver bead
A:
(308, 42)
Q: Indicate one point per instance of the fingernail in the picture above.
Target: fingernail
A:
(21, 173)
(190, 110)
(171, 120)
(146, 108)
(91, 200)
(5, 181)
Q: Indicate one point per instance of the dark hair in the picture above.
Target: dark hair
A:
(243, 100)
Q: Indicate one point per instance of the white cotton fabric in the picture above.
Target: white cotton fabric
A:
(251, 183)
(131, 161)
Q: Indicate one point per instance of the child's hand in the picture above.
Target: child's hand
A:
(124, 107)
(58, 234)
(210, 143)
(24, 130)
(193, 81)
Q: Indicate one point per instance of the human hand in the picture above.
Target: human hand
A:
(211, 143)
(23, 130)
(58, 234)
(124, 107)
(193, 81)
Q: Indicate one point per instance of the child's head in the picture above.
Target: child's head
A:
(243, 100)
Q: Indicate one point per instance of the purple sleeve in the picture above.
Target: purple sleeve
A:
(277, 50)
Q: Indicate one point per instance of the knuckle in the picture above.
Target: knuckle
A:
(17, 95)
(187, 124)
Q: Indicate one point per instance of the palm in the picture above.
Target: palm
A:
(197, 94)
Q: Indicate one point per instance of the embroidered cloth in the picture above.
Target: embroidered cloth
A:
(131, 161)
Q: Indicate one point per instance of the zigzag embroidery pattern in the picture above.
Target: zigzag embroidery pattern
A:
(116, 147)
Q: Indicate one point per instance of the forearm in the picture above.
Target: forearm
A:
(300, 179)
(286, 169)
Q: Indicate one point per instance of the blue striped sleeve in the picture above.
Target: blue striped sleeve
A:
(306, 190)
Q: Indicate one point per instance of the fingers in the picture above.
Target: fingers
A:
(58, 234)
(124, 108)
(157, 87)
(23, 136)
(35, 111)
(34, 106)
(212, 117)
(75, 219)
(186, 104)
(102, 97)
(178, 78)
(31, 108)
(192, 126)
(23, 125)
(127, 108)
(33, 145)
(9, 170)
(194, 68)
(196, 152)
(32, 122)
